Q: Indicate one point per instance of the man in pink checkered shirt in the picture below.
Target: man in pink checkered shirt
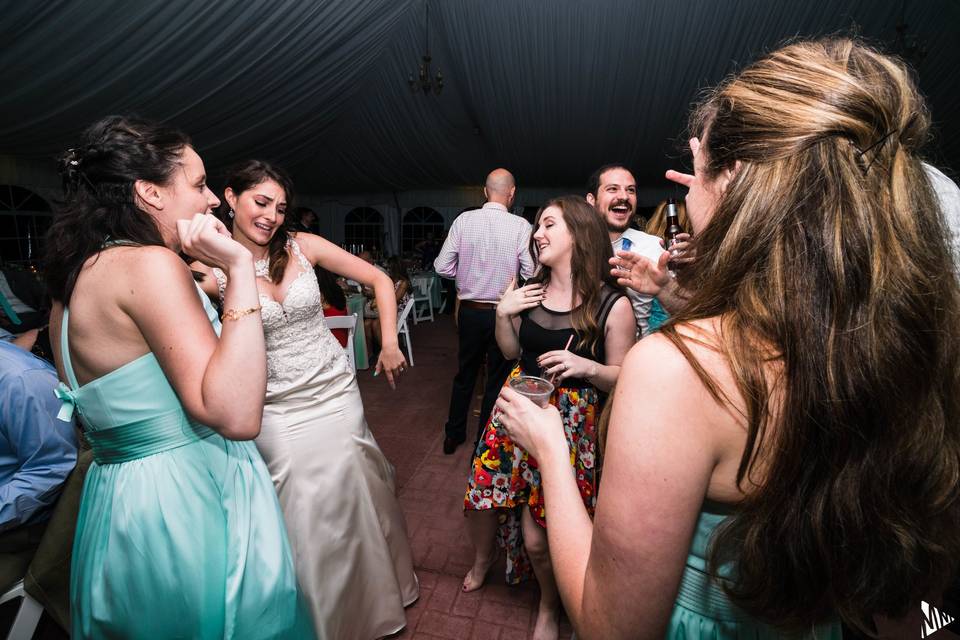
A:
(484, 250)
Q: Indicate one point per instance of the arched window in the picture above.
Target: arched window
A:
(418, 223)
(24, 220)
(363, 230)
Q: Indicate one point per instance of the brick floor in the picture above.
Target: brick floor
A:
(408, 424)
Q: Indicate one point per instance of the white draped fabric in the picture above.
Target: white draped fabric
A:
(550, 89)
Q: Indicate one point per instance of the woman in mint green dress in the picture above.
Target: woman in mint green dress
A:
(783, 454)
(179, 534)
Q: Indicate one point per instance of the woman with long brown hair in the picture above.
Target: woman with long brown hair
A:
(402, 289)
(336, 487)
(573, 325)
(786, 451)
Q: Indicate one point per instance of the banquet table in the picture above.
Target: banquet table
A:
(355, 302)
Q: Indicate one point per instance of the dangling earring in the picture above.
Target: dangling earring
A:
(230, 213)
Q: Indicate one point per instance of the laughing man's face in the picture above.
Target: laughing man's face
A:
(616, 199)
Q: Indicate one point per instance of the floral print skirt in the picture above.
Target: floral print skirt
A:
(505, 477)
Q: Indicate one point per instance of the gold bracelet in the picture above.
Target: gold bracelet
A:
(234, 314)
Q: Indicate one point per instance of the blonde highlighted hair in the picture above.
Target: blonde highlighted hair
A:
(827, 254)
(657, 224)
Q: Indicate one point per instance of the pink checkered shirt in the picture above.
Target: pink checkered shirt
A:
(485, 248)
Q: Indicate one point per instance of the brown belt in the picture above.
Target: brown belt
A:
(473, 304)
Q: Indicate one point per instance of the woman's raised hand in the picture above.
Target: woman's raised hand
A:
(206, 239)
(640, 273)
(515, 300)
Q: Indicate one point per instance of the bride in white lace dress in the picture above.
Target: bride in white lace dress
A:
(336, 487)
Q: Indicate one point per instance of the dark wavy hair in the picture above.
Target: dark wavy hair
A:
(589, 264)
(826, 260)
(329, 289)
(99, 198)
(593, 182)
(397, 271)
(247, 175)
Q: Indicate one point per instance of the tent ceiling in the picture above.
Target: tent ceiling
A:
(548, 89)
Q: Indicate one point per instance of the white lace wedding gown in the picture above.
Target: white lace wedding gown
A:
(335, 486)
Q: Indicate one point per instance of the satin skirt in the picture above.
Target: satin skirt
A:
(184, 543)
(338, 497)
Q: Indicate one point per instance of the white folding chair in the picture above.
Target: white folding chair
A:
(28, 616)
(403, 328)
(350, 324)
(423, 299)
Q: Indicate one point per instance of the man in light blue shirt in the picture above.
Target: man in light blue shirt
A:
(37, 453)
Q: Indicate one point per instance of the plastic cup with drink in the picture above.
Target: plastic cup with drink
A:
(537, 389)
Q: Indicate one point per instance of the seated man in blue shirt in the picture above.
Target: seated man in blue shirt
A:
(37, 453)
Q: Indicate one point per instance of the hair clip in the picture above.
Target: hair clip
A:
(878, 142)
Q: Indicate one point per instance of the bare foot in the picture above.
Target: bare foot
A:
(477, 574)
(548, 624)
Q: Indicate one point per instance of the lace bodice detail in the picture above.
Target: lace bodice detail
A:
(297, 337)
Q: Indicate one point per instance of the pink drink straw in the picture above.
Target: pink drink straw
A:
(553, 377)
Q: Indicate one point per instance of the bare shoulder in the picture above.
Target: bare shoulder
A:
(123, 266)
(658, 356)
(622, 307)
(621, 315)
(304, 237)
(119, 292)
(311, 245)
(147, 270)
(704, 341)
(655, 355)
(150, 258)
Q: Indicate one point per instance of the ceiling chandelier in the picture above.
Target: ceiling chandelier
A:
(423, 81)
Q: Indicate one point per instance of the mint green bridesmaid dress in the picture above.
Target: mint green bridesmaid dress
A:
(180, 534)
(704, 612)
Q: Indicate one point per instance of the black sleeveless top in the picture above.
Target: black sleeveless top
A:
(543, 330)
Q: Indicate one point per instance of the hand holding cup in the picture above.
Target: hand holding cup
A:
(530, 426)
